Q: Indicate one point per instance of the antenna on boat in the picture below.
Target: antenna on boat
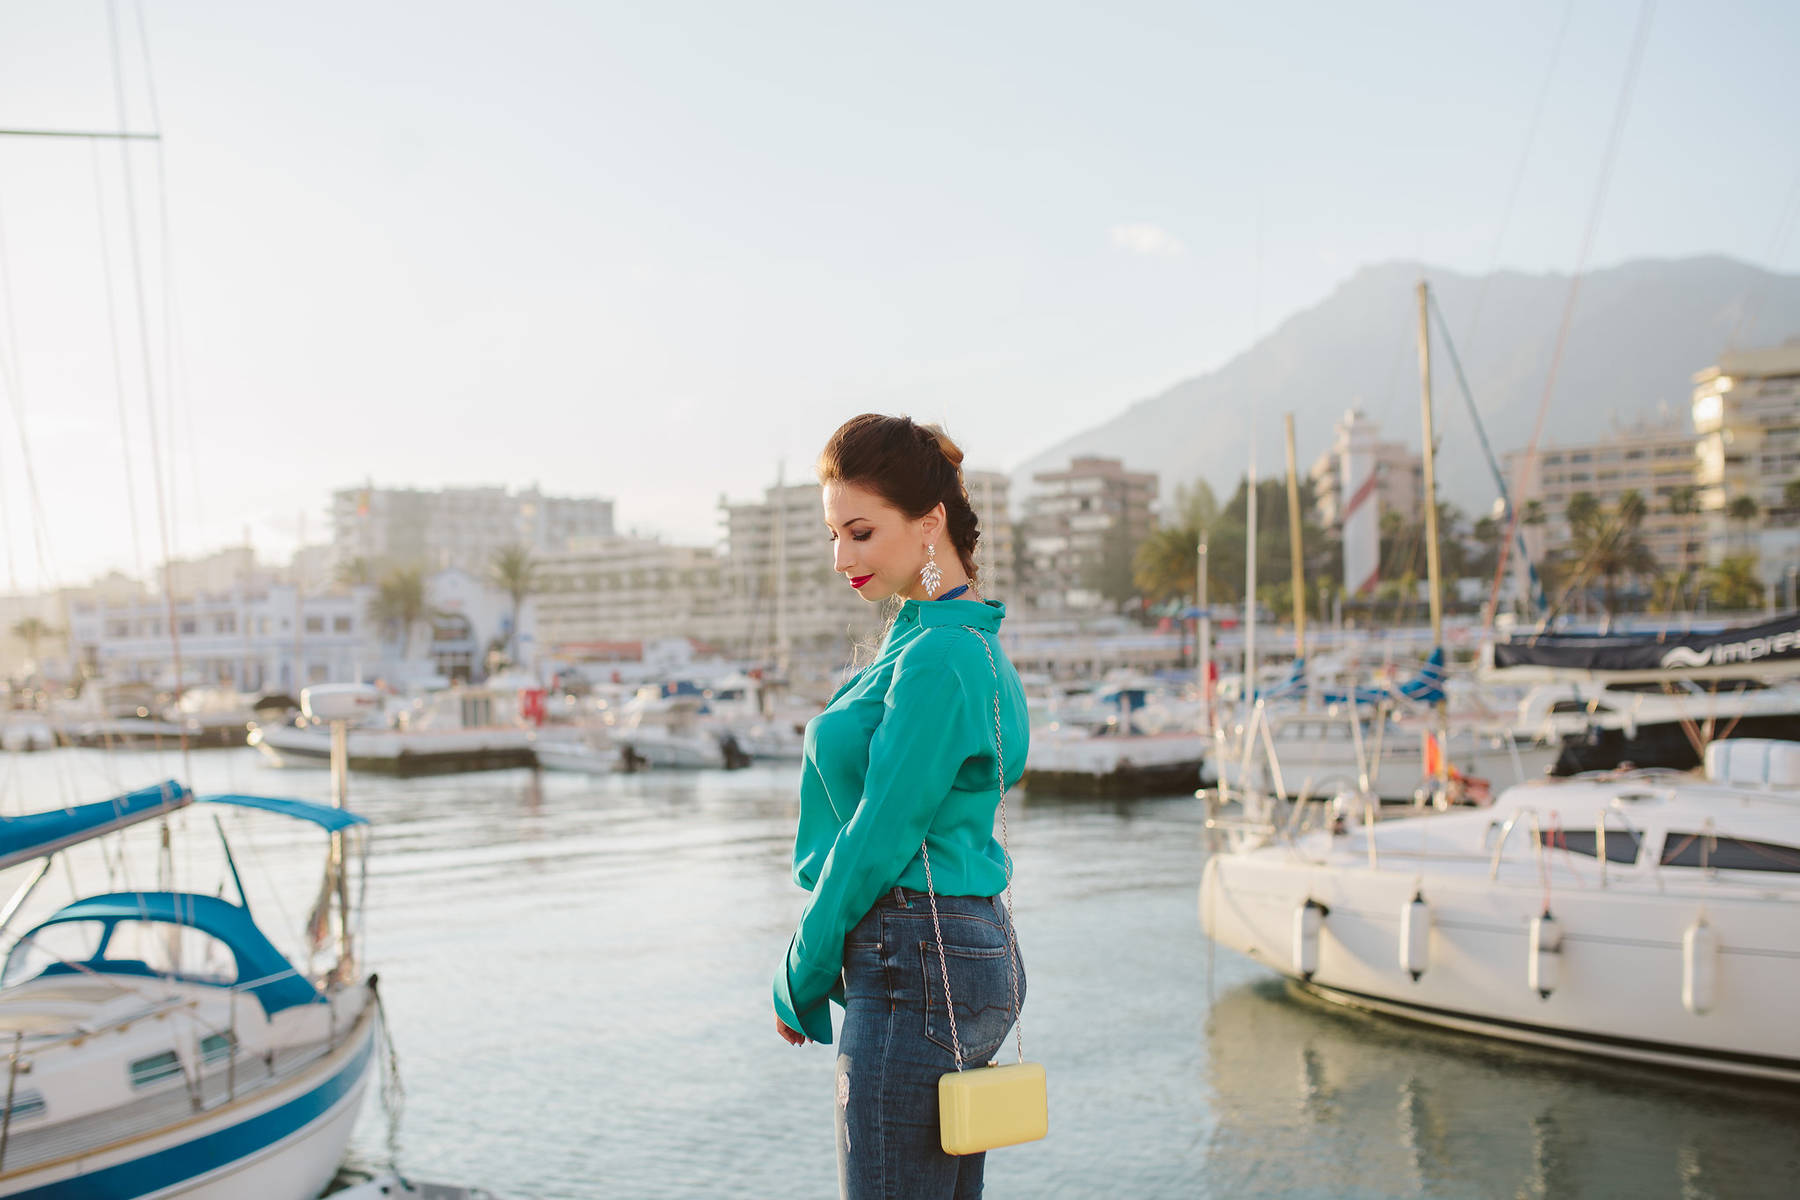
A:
(1295, 558)
(1441, 773)
(338, 704)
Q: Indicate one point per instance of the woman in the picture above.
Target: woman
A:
(904, 760)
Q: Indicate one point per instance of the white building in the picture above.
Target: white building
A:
(604, 591)
(803, 607)
(1082, 522)
(459, 526)
(276, 637)
(1746, 414)
(251, 638)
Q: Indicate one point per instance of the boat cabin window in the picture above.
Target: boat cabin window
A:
(135, 947)
(1621, 844)
(1579, 706)
(76, 941)
(1730, 854)
(153, 1070)
(25, 1104)
(173, 950)
(215, 1047)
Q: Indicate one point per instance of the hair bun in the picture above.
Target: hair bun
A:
(948, 448)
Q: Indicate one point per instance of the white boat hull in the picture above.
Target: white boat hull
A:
(1618, 984)
(282, 1143)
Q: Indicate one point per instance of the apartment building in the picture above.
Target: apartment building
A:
(1654, 459)
(459, 526)
(1746, 414)
(603, 591)
(1080, 523)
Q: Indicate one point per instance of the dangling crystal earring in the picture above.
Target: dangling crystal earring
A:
(929, 575)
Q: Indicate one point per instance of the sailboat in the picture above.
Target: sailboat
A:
(160, 1045)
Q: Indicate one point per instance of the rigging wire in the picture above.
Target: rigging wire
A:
(1518, 179)
(13, 381)
(1597, 206)
(171, 322)
(118, 365)
(1777, 250)
(143, 322)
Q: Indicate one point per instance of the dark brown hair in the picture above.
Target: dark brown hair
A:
(911, 466)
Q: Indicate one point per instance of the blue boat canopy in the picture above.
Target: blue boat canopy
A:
(37, 834)
(331, 819)
(271, 978)
(1426, 687)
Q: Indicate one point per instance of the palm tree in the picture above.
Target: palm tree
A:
(399, 603)
(1743, 510)
(354, 572)
(513, 572)
(31, 631)
(1734, 583)
(1166, 562)
(1684, 501)
(1606, 543)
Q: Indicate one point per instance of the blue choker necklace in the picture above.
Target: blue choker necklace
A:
(953, 593)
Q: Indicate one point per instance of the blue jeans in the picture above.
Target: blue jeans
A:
(896, 1041)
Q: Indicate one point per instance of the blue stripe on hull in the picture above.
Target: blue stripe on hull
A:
(203, 1155)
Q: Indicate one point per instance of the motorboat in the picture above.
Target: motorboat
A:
(1643, 915)
(161, 1046)
(588, 751)
(1128, 736)
(1653, 699)
(440, 732)
(673, 727)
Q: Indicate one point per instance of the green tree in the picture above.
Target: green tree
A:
(1167, 562)
(1734, 582)
(513, 572)
(1790, 496)
(399, 604)
(354, 572)
(31, 631)
(1605, 543)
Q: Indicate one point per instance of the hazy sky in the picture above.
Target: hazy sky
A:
(649, 250)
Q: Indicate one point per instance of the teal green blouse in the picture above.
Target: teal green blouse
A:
(903, 753)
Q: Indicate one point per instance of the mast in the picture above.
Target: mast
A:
(1295, 558)
(780, 516)
(1203, 639)
(1431, 521)
(1250, 580)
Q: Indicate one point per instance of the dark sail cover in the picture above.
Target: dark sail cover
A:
(1772, 647)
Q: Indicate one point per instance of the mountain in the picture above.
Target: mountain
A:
(1640, 332)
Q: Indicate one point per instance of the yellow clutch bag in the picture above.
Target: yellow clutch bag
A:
(985, 1108)
(988, 1107)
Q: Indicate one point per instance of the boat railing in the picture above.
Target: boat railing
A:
(1537, 841)
(295, 1057)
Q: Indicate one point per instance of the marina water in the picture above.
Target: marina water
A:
(577, 975)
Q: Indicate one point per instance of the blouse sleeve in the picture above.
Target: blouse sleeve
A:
(925, 735)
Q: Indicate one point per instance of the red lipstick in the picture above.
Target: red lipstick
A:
(859, 580)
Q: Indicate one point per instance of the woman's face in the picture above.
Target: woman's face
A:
(876, 547)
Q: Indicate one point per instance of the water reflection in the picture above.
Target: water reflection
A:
(1312, 1100)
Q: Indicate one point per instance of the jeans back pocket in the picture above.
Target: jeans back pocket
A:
(981, 986)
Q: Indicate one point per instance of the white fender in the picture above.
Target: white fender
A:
(1699, 967)
(1309, 918)
(1544, 971)
(1415, 936)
